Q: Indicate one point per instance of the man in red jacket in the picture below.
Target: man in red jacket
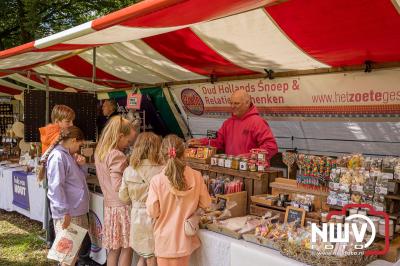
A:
(244, 131)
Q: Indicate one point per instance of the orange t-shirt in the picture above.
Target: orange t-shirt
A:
(48, 135)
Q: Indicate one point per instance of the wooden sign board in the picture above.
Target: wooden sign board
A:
(294, 214)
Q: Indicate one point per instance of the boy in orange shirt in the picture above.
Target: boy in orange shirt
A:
(62, 117)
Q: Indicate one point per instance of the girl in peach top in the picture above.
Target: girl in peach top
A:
(174, 195)
(111, 162)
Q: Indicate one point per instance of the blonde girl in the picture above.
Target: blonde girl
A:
(174, 195)
(144, 164)
(111, 162)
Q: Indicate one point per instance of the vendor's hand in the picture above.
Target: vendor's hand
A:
(194, 142)
(67, 221)
(80, 160)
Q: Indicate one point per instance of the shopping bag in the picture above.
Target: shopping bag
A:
(67, 244)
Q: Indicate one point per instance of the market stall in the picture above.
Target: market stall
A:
(21, 192)
(325, 86)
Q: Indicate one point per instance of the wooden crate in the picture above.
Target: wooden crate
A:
(222, 230)
(260, 211)
(393, 254)
(289, 186)
(260, 241)
(262, 200)
(240, 198)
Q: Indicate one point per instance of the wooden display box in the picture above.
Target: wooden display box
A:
(255, 182)
(222, 230)
(263, 200)
(202, 160)
(393, 254)
(289, 186)
(260, 241)
(260, 211)
(225, 231)
(257, 210)
(240, 198)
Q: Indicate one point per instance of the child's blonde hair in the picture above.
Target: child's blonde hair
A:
(110, 135)
(147, 146)
(61, 112)
(172, 149)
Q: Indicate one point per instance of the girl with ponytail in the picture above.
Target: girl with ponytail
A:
(174, 196)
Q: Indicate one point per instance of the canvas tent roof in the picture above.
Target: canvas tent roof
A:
(160, 41)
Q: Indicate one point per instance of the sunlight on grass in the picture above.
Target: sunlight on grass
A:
(21, 247)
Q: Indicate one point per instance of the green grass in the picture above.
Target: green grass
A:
(20, 242)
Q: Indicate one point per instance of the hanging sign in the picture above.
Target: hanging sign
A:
(133, 101)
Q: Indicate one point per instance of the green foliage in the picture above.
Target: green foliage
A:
(22, 21)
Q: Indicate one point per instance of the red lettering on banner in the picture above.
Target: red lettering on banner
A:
(378, 96)
(295, 86)
(207, 90)
(365, 97)
(267, 99)
(351, 99)
(371, 95)
(343, 98)
(392, 96)
(283, 87)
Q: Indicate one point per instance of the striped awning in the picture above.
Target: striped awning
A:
(161, 41)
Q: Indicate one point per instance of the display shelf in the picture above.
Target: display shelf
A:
(244, 174)
(392, 216)
(295, 188)
(198, 166)
(393, 197)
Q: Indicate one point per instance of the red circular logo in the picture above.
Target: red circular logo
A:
(192, 101)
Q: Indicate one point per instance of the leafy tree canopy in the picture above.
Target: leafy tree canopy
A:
(22, 21)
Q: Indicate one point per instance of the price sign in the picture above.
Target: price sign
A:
(296, 215)
(133, 101)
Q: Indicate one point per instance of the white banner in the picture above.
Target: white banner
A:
(96, 223)
(355, 94)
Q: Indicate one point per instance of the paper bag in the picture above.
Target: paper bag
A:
(67, 244)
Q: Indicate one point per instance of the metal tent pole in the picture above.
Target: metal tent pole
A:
(45, 185)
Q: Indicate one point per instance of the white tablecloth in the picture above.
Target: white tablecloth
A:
(35, 190)
(220, 250)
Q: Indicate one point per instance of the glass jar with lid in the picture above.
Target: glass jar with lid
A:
(221, 160)
(235, 163)
(228, 162)
(243, 164)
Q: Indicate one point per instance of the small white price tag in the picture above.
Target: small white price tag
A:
(381, 190)
(357, 188)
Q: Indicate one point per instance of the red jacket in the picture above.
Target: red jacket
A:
(240, 135)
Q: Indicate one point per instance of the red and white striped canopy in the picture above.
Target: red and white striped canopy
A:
(160, 41)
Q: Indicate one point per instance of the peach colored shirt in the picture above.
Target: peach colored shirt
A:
(109, 172)
(171, 208)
